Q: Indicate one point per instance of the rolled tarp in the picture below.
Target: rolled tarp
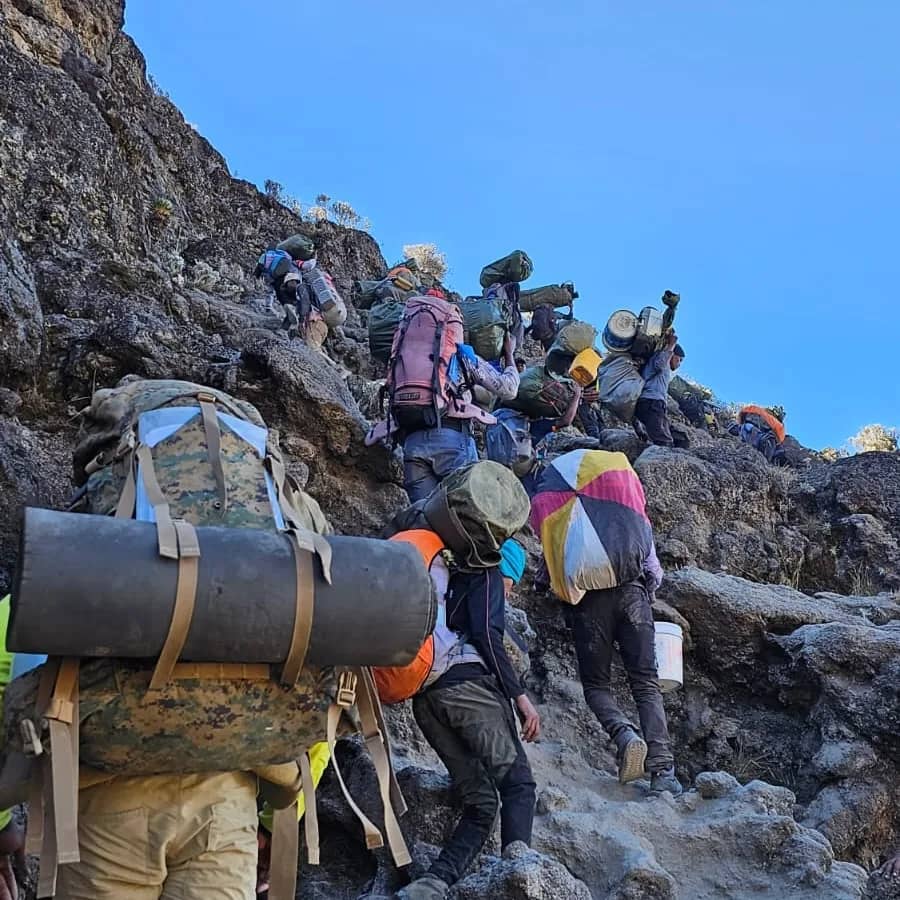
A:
(96, 586)
(549, 295)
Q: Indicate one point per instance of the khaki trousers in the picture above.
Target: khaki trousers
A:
(165, 837)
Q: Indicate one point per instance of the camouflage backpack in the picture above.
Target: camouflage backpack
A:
(181, 455)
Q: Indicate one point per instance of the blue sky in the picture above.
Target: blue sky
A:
(744, 154)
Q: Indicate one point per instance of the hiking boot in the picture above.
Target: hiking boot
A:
(632, 756)
(666, 781)
(426, 888)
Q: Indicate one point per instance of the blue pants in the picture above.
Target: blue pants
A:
(431, 455)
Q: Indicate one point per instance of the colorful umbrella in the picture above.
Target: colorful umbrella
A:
(589, 512)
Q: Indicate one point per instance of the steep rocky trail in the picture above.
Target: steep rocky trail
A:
(795, 694)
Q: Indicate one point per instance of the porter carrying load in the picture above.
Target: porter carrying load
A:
(189, 463)
(640, 335)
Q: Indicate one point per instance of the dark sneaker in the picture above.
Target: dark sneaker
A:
(426, 888)
(632, 756)
(666, 781)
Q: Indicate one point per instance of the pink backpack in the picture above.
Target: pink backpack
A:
(420, 387)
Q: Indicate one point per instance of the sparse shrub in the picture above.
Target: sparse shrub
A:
(871, 438)
(161, 212)
(274, 190)
(832, 454)
(428, 258)
(157, 88)
(344, 214)
(323, 210)
(861, 581)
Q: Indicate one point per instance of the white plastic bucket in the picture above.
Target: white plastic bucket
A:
(669, 656)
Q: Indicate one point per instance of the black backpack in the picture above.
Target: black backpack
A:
(544, 323)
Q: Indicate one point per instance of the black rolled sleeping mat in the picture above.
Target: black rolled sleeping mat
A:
(97, 586)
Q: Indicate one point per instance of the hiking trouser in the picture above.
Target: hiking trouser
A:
(654, 416)
(540, 428)
(430, 455)
(165, 837)
(472, 728)
(622, 614)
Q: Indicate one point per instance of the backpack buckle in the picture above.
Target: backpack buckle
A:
(31, 743)
(346, 695)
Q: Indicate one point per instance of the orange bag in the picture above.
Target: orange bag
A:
(398, 683)
(775, 426)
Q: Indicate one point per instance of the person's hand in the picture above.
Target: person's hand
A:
(671, 340)
(509, 349)
(891, 869)
(590, 395)
(529, 718)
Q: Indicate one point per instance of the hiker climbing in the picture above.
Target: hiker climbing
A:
(543, 327)
(696, 403)
(550, 393)
(652, 409)
(429, 392)
(542, 303)
(311, 302)
(401, 281)
(598, 546)
(762, 428)
(462, 694)
(500, 281)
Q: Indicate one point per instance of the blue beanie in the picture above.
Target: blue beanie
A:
(512, 562)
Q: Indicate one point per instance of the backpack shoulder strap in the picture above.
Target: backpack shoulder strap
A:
(284, 853)
(55, 814)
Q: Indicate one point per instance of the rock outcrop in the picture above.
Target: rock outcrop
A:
(126, 248)
(829, 526)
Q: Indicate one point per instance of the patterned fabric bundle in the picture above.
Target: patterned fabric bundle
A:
(589, 512)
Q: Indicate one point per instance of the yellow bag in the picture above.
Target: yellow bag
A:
(585, 366)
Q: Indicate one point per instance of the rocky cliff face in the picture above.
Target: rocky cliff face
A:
(125, 247)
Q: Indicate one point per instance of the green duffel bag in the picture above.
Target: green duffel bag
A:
(541, 394)
(516, 266)
(299, 246)
(574, 337)
(475, 509)
(485, 326)
(366, 293)
(571, 339)
(554, 295)
(384, 317)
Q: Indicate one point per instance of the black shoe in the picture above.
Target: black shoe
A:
(666, 781)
